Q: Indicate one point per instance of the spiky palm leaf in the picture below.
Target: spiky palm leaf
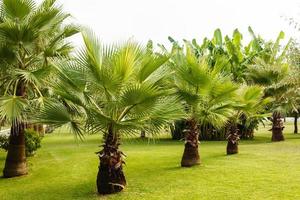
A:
(207, 92)
(116, 86)
(30, 36)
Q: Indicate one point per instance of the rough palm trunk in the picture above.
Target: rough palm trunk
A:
(15, 163)
(233, 139)
(191, 154)
(277, 127)
(143, 134)
(110, 178)
(296, 123)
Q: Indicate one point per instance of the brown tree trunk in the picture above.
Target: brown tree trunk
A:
(143, 134)
(296, 123)
(190, 155)
(277, 127)
(15, 163)
(233, 139)
(110, 178)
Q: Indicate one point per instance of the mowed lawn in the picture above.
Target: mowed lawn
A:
(66, 169)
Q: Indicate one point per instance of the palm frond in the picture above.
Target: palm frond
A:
(12, 108)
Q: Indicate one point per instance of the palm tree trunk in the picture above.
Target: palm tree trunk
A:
(190, 155)
(277, 127)
(143, 134)
(296, 123)
(110, 178)
(15, 163)
(233, 138)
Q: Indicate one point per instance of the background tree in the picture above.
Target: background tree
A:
(234, 57)
(30, 35)
(250, 104)
(294, 60)
(271, 70)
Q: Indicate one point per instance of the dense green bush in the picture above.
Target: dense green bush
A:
(32, 142)
(4, 142)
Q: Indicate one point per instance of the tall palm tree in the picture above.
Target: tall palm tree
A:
(30, 35)
(208, 97)
(114, 90)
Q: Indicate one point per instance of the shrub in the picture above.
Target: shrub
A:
(4, 142)
(32, 142)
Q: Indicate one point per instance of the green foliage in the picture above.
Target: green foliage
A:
(31, 35)
(207, 93)
(32, 142)
(4, 142)
(120, 85)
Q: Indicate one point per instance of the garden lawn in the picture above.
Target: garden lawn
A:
(64, 169)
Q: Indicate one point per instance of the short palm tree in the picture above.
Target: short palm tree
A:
(272, 71)
(30, 35)
(250, 105)
(207, 94)
(114, 90)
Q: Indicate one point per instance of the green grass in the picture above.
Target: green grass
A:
(63, 169)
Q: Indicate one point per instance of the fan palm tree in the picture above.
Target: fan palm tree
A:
(114, 90)
(208, 97)
(250, 105)
(30, 35)
(272, 71)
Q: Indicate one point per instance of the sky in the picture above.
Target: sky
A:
(119, 20)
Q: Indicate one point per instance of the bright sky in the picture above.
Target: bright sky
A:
(117, 20)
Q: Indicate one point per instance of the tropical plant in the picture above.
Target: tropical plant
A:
(294, 60)
(114, 90)
(32, 142)
(272, 71)
(250, 105)
(235, 59)
(206, 93)
(30, 36)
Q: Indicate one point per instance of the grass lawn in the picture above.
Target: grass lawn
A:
(64, 169)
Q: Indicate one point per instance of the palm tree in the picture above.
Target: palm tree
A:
(208, 97)
(114, 90)
(235, 59)
(250, 105)
(30, 35)
(272, 71)
(294, 60)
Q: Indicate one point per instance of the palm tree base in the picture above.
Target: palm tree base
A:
(190, 156)
(232, 148)
(15, 164)
(277, 135)
(110, 180)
